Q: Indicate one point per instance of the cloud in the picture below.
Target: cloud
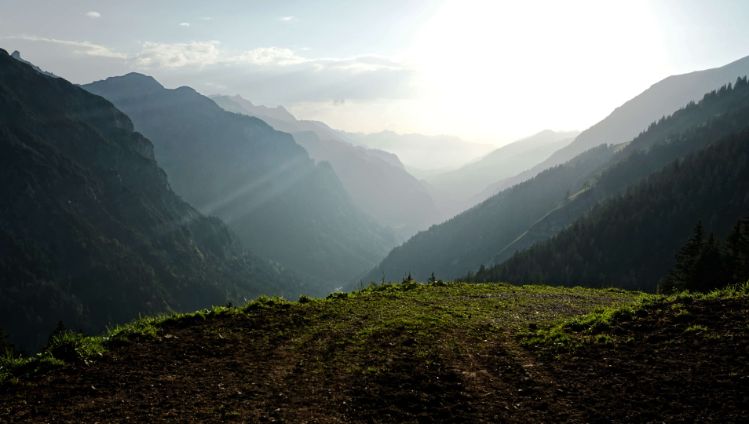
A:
(178, 55)
(284, 57)
(268, 56)
(273, 75)
(93, 14)
(277, 74)
(361, 64)
(78, 47)
(184, 24)
(287, 18)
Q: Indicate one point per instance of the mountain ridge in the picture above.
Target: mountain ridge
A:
(375, 180)
(258, 180)
(498, 233)
(460, 189)
(653, 149)
(650, 220)
(90, 231)
(632, 117)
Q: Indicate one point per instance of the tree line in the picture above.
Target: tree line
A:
(704, 262)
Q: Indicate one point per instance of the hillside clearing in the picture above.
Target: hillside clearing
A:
(410, 353)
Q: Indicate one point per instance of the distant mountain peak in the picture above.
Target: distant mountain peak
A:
(279, 108)
(17, 56)
(239, 104)
(135, 83)
(89, 200)
(146, 80)
(242, 99)
(185, 89)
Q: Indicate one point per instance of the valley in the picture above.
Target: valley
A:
(374, 212)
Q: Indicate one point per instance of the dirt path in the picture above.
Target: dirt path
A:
(311, 365)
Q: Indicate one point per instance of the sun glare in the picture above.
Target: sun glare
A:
(524, 61)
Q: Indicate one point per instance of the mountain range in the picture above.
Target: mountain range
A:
(91, 233)
(539, 208)
(124, 197)
(375, 180)
(258, 180)
(458, 190)
(631, 118)
(423, 155)
(472, 238)
(638, 218)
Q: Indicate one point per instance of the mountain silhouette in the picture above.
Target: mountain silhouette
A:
(90, 231)
(375, 180)
(631, 118)
(464, 187)
(422, 154)
(279, 202)
(537, 209)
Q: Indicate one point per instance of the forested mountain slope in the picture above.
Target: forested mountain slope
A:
(718, 114)
(494, 234)
(461, 244)
(90, 232)
(627, 121)
(630, 241)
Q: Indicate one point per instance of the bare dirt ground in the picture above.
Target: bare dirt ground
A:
(326, 362)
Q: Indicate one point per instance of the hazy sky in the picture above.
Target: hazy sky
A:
(489, 71)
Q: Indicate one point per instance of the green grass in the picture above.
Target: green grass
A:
(68, 346)
(13, 366)
(696, 328)
(364, 325)
(600, 325)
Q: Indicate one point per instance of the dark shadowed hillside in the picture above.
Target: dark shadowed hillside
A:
(90, 232)
(258, 180)
(474, 237)
(631, 240)
(719, 114)
(499, 233)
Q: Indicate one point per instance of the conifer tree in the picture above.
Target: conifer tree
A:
(737, 252)
(6, 347)
(682, 275)
(706, 264)
(709, 270)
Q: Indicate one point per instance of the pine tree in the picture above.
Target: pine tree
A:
(682, 276)
(59, 330)
(706, 264)
(6, 348)
(709, 270)
(737, 252)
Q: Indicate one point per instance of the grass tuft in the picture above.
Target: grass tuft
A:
(603, 325)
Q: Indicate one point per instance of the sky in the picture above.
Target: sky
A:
(488, 71)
